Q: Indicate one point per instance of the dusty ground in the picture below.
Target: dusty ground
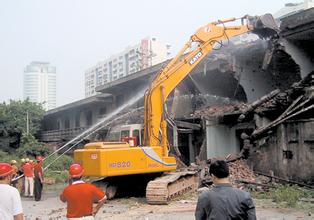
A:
(135, 208)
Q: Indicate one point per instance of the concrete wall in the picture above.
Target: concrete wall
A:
(220, 140)
(289, 152)
(281, 73)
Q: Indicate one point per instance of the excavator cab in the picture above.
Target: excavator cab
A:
(131, 133)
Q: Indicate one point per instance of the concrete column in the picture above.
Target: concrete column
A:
(191, 149)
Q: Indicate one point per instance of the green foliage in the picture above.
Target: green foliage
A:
(58, 170)
(13, 116)
(288, 194)
(6, 157)
(63, 177)
(61, 164)
(13, 120)
(59, 176)
(31, 147)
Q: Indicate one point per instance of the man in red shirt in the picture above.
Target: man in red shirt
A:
(39, 178)
(80, 196)
(28, 171)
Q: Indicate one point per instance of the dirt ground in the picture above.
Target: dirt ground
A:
(50, 208)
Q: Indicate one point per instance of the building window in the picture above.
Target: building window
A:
(102, 111)
(66, 123)
(89, 118)
(77, 120)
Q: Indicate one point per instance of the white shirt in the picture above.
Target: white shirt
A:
(10, 202)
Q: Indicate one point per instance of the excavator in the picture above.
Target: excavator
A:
(126, 158)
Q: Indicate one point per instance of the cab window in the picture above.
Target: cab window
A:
(142, 136)
(136, 133)
(125, 133)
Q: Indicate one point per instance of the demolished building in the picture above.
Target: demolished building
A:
(230, 80)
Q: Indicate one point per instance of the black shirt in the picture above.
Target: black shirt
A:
(225, 202)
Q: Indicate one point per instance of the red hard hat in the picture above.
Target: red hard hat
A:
(76, 170)
(39, 158)
(5, 169)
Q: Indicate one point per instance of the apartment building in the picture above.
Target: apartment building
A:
(146, 53)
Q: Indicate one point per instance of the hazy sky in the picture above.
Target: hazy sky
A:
(74, 34)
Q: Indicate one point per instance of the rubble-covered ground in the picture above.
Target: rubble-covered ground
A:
(136, 208)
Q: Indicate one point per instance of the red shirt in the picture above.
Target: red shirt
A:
(38, 170)
(80, 197)
(28, 170)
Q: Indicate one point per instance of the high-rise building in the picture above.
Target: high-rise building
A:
(146, 53)
(40, 84)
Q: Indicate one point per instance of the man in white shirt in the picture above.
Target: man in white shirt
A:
(10, 202)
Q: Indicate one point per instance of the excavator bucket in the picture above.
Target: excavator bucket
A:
(264, 26)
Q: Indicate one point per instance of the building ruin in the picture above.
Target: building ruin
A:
(206, 106)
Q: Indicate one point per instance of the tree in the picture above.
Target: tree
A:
(31, 147)
(13, 122)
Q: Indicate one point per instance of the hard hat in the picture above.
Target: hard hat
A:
(23, 160)
(13, 162)
(39, 158)
(27, 160)
(76, 170)
(5, 169)
(31, 161)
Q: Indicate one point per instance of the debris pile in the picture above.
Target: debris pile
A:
(220, 110)
(240, 171)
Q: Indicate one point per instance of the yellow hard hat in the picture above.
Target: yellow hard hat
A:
(23, 160)
(27, 160)
(13, 162)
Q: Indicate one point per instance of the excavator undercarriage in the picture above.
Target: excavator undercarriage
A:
(163, 189)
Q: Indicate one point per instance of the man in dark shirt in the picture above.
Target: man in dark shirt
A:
(39, 178)
(224, 202)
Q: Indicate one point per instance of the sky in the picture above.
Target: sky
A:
(74, 35)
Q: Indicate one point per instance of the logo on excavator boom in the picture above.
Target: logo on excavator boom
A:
(195, 58)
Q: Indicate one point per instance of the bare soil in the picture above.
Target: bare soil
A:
(50, 207)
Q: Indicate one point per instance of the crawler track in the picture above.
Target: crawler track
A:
(170, 185)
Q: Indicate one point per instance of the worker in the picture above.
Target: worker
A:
(10, 202)
(14, 173)
(39, 178)
(21, 180)
(28, 171)
(80, 196)
(223, 201)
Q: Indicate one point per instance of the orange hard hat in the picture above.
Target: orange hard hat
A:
(5, 169)
(39, 158)
(76, 170)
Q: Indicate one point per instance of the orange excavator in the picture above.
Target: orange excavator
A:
(125, 158)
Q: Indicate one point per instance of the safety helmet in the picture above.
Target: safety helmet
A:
(13, 162)
(76, 170)
(31, 161)
(23, 160)
(27, 160)
(5, 169)
(39, 158)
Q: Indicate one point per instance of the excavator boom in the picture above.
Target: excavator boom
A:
(119, 159)
(200, 44)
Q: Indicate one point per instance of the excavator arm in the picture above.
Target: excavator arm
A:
(195, 50)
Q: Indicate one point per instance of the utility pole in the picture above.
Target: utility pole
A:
(27, 122)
